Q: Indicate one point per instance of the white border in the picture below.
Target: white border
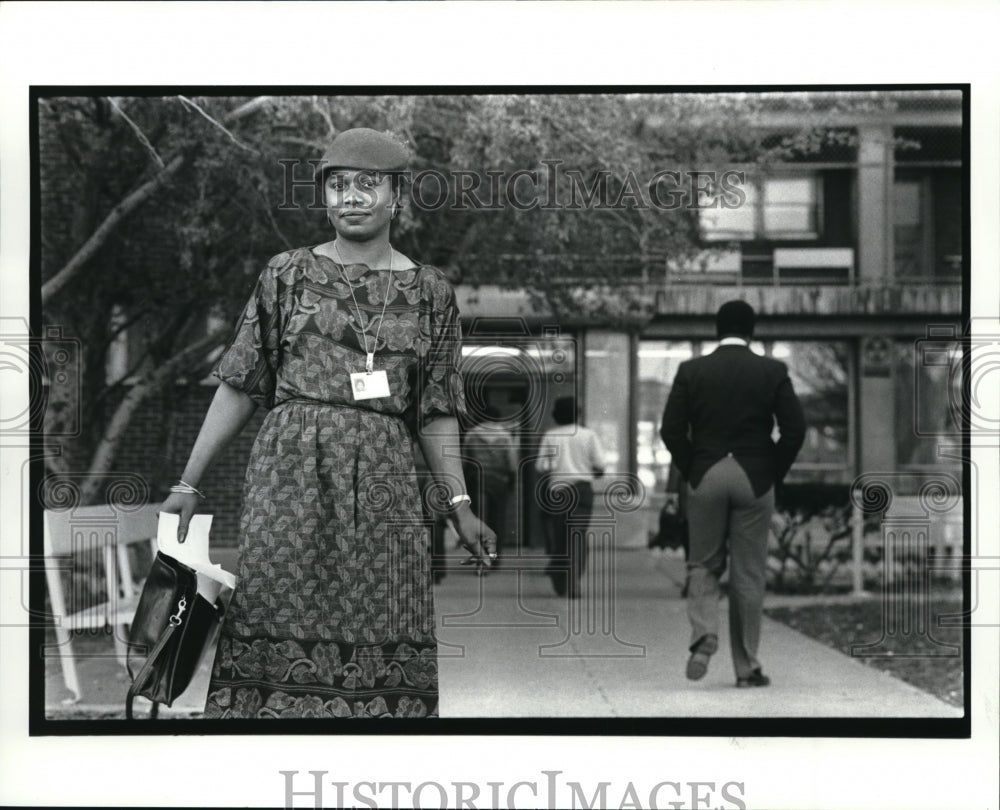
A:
(503, 43)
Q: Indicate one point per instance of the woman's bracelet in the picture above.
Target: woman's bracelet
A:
(458, 499)
(184, 488)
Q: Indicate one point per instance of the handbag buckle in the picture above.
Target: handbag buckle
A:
(181, 607)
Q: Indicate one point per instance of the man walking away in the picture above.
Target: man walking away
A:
(717, 425)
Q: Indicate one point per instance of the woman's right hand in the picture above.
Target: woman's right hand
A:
(475, 537)
(182, 504)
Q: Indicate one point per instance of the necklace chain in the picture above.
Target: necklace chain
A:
(369, 353)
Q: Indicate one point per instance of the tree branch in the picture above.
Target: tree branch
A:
(52, 287)
(324, 114)
(107, 447)
(465, 243)
(270, 218)
(187, 102)
(129, 204)
(138, 133)
(589, 149)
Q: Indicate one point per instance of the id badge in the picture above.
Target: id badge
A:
(370, 385)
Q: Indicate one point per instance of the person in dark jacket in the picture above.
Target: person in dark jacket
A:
(718, 424)
(489, 460)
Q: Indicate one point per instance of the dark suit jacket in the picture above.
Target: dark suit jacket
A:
(726, 403)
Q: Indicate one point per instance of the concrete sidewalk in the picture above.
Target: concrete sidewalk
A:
(621, 653)
(510, 648)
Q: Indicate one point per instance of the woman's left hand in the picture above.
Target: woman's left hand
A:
(475, 536)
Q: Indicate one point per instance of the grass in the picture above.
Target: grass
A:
(917, 658)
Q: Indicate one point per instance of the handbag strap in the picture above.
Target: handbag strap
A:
(146, 669)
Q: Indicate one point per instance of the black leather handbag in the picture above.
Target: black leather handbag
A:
(174, 627)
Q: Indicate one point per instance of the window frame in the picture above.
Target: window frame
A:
(759, 206)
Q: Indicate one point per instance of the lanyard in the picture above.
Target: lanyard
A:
(369, 354)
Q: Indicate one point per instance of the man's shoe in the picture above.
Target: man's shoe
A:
(755, 678)
(697, 664)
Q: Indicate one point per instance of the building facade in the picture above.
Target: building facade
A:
(853, 259)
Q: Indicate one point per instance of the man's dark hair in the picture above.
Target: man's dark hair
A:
(735, 318)
(564, 411)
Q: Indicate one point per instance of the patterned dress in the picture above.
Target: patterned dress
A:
(333, 612)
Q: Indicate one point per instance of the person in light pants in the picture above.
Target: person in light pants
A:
(571, 457)
(717, 425)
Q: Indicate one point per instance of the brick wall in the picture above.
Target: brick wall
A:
(159, 440)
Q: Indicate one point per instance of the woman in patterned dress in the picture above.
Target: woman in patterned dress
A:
(354, 349)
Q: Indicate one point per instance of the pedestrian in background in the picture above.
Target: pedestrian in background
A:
(490, 464)
(672, 528)
(718, 424)
(570, 457)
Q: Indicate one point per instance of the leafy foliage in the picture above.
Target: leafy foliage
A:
(808, 550)
(158, 212)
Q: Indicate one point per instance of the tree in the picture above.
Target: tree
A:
(158, 213)
(597, 233)
(111, 266)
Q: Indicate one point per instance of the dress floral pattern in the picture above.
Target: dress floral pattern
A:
(333, 613)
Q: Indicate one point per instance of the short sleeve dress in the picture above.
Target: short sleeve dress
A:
(333, 611)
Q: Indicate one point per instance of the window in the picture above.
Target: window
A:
(785, 207)
(657, 366)
(927, 202)
(729, 224)
(927, 224)
(820, 374)
(906, 224)
(518, 377)
(928, 383)
(790, 208)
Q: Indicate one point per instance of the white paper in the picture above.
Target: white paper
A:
(212, 578)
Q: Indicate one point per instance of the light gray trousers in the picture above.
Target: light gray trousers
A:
(725, 515)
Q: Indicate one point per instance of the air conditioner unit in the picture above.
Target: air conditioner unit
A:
(814, 265)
